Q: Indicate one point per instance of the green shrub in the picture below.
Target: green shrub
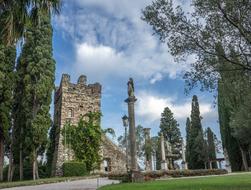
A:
(125, 177)
(183, 173)
(74, 169)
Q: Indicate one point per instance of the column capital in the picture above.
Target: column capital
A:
(131, 99)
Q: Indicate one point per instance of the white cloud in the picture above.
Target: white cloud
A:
(151, 106)
(157, 77)
(121, 44)
(102, 62)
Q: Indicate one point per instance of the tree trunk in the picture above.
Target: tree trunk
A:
(210, 165)
(21, 162)
(37, 174)
(11, 165)
(34, 168)
(205, 165)
(1, 158)
(34, 165)
(244, 159)
(11, 172)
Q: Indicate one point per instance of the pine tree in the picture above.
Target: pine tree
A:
(211, 147)
(7, 64)
(196, 155)
(170, 129)
(36, 74)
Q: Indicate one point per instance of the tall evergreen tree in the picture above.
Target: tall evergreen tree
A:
(196, 157)
(170, 129)
(228, 141)
(234, 90)
(7, 64)
(36, 72)
(211, 147)
(188, 141)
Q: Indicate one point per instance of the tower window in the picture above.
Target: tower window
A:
(70, 113)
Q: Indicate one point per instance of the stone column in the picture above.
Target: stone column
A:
(132, 131)
(148, 155)
(126, 141)
(163, 154)
(184, 163)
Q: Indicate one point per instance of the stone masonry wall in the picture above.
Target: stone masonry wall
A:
(71, 102)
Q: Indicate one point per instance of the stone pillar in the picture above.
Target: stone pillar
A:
(148, 155)
(163, 154)
(132, 131)
(220, 166)
(184, 162)
(126, 141)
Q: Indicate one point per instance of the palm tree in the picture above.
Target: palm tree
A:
(15, 14)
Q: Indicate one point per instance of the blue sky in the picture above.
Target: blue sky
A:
(108, 42)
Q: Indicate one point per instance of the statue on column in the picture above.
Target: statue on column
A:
(130, 88)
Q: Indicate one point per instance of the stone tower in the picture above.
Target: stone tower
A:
(71, 102)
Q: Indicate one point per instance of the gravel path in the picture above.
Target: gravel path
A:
(86, 184)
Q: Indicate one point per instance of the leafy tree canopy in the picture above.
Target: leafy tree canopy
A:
(200, 32)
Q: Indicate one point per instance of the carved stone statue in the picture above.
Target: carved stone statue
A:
(130, 86)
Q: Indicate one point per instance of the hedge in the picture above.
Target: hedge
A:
(183, 173)
(74, 169)
(124, 177)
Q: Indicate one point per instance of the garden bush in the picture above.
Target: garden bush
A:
(74, 169)
(125, 177)
(183, 173)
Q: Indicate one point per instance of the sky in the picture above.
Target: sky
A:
(107, 41)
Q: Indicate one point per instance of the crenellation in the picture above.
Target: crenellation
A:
(82, 80)
(66, 79)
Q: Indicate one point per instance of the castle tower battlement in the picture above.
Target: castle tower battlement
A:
(71, 102)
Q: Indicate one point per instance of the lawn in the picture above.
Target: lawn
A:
(230, 182)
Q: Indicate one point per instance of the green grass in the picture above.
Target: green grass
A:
(41, 181)
(230, 182)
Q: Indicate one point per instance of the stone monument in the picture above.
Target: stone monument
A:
(132, 131)
(163, 154)
(184, 162)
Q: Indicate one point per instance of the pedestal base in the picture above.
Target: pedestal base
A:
(164, 165)
(228, 168)
(184, 166)
(136, 176)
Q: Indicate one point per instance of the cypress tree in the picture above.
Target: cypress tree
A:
(228, 141)
(7, 64)
(211, 147)
(233, 90)
(188, 143)
(170, 129)
(36, 72)
(196, 155)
